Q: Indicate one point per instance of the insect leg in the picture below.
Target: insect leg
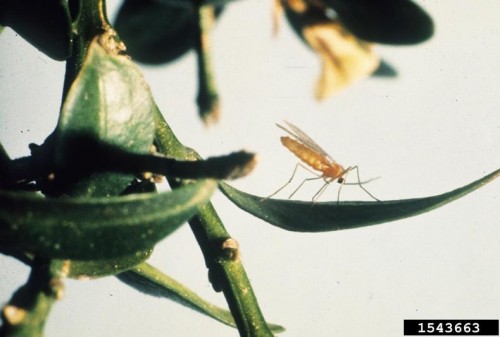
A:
(288, 182)
(302, 183)
(321, 190)
(343, 183)
(361, 183)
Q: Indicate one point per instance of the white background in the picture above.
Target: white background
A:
(434, 128)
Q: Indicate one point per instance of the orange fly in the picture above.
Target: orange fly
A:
(302, 146)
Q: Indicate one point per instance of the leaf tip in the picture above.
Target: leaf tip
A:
(245, 162)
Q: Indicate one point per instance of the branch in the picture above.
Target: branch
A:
(208, 98)
(219, 249)
(29, 307)
(85, 155)
(89, 21)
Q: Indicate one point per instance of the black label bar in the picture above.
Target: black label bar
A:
(478, 327)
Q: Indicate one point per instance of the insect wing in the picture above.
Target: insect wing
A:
(301, 136)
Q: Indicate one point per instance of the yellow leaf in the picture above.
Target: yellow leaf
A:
(277, 14)
(344, 57)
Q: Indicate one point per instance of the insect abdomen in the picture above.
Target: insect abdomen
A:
(308, 156)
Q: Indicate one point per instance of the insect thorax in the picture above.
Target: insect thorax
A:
(334, 171)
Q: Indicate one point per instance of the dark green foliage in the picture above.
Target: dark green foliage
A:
(106, 266)
(384, 21)
(158, 32)
(108, 102)
(303, 216)
(94, 228)
(45, 24)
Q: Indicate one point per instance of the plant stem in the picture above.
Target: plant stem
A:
(29, 307)
(208, 98)
(225, 268)
(88, 156)
(227, 273)
(90, 21)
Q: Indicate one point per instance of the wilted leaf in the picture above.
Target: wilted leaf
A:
(95, 228)
(303, 216)
(152, 281)
(111, 103)
(344, 58)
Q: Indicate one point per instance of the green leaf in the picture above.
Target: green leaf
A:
(303, 216)
(152, 281)
(96, 228)
(109, 102)
(85, 269)
(384, 21)
(105, 267)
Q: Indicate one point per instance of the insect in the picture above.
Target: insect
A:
(310, 153)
